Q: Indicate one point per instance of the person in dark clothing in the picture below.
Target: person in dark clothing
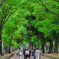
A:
(29, 54)
(34, 54)
(24, 53)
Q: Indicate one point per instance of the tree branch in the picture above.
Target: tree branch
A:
(2, 3)
(48, 9)
(8, 17)
(5, 13)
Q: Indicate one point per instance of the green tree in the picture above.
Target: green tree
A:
(44, 12)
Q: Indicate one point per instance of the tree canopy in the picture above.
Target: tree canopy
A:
(29, 21)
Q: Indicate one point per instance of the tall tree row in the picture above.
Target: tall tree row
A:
(40, 18)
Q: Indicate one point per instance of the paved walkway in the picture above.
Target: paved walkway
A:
(22, 57)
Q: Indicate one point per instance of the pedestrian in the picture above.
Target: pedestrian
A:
(37, 53)
(18, 54)
(27, 53)
(24, 53)
(40, 54)
(34, 54)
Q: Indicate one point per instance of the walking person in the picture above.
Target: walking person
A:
(40, 54)
(37, 53)
(27, 53)
(24, 53)
(18, 54)
(34, 54)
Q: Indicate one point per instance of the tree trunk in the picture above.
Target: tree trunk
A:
(11, 42)
(43, 48)
(0, 41)
(51, 47)
(0, 45)
(56, 47)
(32, 45)
(1, 26)
(29, 46)
(38, 47)
(9, 49)
(43, 43)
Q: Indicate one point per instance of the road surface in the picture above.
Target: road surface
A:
(22, 57)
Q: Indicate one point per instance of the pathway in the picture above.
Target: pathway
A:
(22, 57)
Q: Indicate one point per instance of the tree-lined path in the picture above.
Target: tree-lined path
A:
(29, 23)
(22, 57)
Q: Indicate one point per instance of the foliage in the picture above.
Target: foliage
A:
(43, 17)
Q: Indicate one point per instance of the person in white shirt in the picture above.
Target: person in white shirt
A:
(37, 53)
(27, 53)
